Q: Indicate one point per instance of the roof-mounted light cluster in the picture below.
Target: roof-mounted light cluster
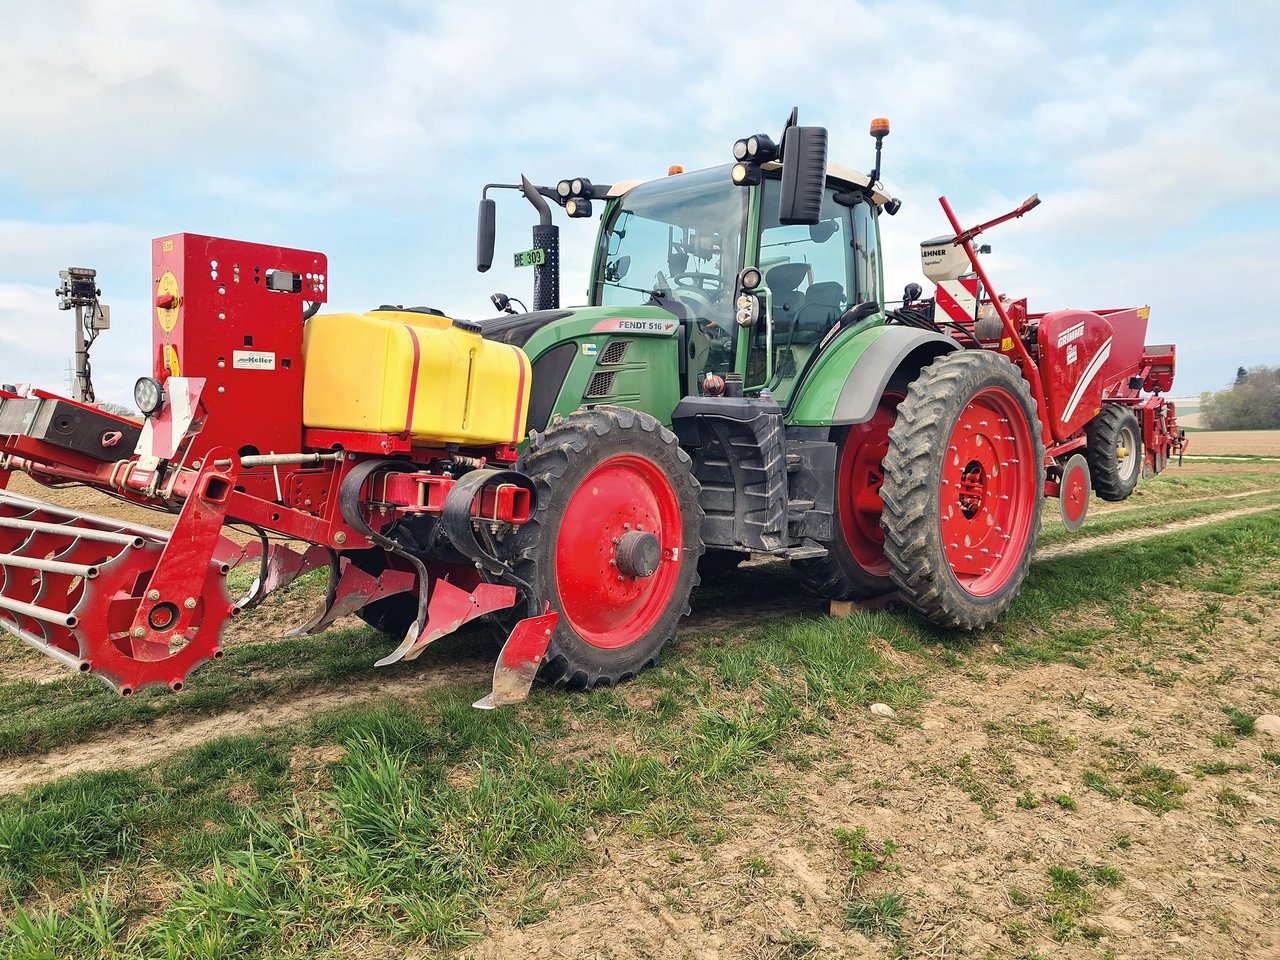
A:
(575, 196)
(751, 152)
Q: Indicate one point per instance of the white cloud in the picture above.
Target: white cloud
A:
(367, 132)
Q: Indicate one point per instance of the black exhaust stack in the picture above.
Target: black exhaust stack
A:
(546, 237)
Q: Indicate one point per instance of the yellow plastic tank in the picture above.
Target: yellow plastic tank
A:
(393, 371)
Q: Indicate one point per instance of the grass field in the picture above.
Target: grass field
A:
(1082, 780)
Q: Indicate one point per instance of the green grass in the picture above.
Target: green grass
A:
(435, 809)
(1155, 515)
(436, 813)
(1070, 899)
(864, 857)
(1241, 723)
(877, 916)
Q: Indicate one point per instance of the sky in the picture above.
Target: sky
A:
(366, 130)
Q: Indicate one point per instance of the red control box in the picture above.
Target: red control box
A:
(232, 312)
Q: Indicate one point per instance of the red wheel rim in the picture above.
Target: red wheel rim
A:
(604, 607)
(861, 475)
(988, 494)
(1074, 493)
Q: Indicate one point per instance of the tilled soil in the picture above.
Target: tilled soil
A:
(942, 782)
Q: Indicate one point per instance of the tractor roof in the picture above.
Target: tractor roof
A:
(835, 171)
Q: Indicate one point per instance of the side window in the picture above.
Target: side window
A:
(809, 272)
(867, 264)
(807, 269)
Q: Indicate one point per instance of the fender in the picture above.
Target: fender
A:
(846, 384)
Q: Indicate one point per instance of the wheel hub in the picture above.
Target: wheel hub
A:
(618, 551)
(972, 489)
(638, 554)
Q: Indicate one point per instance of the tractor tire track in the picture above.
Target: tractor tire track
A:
(130, 749)
(1128, 536)
(133, 748)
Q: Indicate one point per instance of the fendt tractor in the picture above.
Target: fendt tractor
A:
(734, 386)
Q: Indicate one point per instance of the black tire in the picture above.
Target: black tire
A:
(953, 388)
(1113, 430)
(558, 461)
(719, 564)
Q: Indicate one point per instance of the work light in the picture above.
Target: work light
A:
(148, 394)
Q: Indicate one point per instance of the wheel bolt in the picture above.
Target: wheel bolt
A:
(153, 595)
(189, 603)
(139, 631)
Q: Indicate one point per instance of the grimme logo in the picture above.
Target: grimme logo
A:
(1071, 333)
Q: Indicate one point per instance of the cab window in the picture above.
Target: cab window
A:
(809, 273)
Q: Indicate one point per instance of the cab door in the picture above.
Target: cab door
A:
(812, 275)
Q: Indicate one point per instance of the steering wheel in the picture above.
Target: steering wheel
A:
(705, 282)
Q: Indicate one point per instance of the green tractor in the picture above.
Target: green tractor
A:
(735, 372)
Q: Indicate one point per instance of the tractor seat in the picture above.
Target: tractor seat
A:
(823, 303)
(782, 282)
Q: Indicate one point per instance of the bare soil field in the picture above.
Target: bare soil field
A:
(1234, 443)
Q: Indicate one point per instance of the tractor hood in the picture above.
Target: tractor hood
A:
(516, 328)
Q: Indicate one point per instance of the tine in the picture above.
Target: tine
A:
(396, 655)
(48, 649)
(486, 598)
(518, 664)
(84, 533)
(60, 617)
(450, 607)
(355, 590)
(448, 604)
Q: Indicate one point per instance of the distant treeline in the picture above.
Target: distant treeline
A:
(1251, 403)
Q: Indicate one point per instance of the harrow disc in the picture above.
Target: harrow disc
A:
(70, 585)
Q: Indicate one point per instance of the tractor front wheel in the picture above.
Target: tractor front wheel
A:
(614, 544)
(963, 489)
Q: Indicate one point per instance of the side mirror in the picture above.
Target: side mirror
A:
(486, 230)
(618, 269)
(804, 175)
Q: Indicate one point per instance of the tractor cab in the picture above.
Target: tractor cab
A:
(681, 243)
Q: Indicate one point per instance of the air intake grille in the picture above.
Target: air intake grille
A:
(601, 384)
(615, 352)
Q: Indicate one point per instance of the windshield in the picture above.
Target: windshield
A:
(681, 237)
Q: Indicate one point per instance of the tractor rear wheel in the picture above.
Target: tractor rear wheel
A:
(855, 567)
(1114, 452)
(614, 544)
(963, 488)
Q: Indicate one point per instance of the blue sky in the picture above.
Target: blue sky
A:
(1150, 131)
